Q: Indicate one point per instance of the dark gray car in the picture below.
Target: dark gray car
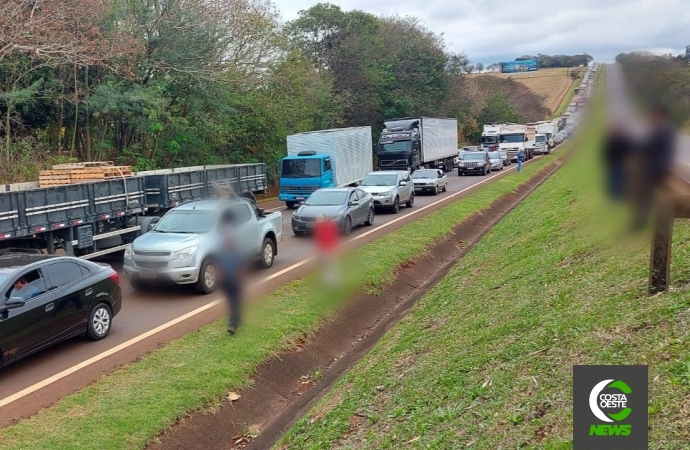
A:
(348, 207)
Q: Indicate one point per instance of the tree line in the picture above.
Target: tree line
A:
(170, 83)
(659, 80)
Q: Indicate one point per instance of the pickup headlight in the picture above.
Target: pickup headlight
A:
(185, 253)
(128, 251)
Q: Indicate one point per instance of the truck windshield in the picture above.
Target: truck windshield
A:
(380, 180)
(301, 168)
(395, 147)
(540, 139)
(490, 139)
(327, 198)
(512, 138)
(187, 221)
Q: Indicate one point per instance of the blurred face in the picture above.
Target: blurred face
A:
(19, 284)
(321, 218)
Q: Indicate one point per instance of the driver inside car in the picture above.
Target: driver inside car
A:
(23, 289)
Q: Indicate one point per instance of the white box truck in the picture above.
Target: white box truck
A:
(414, 142)
(513, 137)
(326, 158)
(549, 129)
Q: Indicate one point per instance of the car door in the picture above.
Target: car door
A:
(73, 296)
(403, 191)
(247, 228)
(365, 203)
(354, 207)
(29, 327)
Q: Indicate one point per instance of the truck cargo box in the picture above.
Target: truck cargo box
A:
(167, 188)
(54, 208)
(350, 148)
(117, 197)
(439, 138)
(243, 178)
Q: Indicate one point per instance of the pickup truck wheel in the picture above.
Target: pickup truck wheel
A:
(100, 322)
(410, 202)
(370, 218)
(347, 227)
(267, 253)
(208, 279)
(396, 205)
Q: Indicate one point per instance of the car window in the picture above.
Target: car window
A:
(353, 196)
(360, 193)
(227, 218)
(62, 273)
(242, 213)
(28, 285)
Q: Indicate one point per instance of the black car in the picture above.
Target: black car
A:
(47, 299)
(474, 162)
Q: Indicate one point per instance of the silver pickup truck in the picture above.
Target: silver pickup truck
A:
(180, 248)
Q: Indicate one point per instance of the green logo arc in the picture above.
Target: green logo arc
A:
(624, 388)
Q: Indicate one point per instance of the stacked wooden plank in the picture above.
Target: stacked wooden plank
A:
(61, 174)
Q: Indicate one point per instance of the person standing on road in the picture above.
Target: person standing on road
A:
(520, 159)
(232, 266)
(327, 237)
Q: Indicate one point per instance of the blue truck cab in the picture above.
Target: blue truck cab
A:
(302, 174)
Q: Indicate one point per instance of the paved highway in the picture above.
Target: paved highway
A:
(148, 320)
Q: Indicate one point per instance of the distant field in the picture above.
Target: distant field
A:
(552, 84)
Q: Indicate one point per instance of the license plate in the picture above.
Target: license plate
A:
(299, 198)
(148, 275)
(309, 225)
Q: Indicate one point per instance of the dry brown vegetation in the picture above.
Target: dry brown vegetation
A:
(551, 84)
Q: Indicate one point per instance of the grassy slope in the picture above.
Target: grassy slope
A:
(130, 407)
(569, 95)
(485, 359)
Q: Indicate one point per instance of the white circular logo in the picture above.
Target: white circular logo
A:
(593, 401)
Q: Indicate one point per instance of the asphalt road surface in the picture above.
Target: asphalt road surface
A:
(150, 319)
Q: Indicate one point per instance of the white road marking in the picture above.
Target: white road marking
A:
(65, 373)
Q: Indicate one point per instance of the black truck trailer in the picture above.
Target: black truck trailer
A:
(96, 218)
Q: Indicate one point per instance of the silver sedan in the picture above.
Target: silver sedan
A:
(348, 207)
(430, 180)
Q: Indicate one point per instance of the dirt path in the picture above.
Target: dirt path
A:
(286, 387)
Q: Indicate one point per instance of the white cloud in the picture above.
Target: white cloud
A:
(496, 30)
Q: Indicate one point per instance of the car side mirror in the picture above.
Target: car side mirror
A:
(403, 183)
(352, 203)
(14, 302)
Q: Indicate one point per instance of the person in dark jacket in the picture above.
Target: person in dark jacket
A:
(617, 151)
(656, 159)
(232, 265)
(520, 158)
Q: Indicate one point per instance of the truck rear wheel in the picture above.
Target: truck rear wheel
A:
(267, 253)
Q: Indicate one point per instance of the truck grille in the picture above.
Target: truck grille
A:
(299, 189)
(151, 264)
(393, 163)
(143, 253)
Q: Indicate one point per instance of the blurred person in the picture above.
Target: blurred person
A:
(327, 238)
(232, 264)
(520, 159)
(617, 151)
(656, 158)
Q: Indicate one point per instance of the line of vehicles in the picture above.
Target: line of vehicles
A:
(165, 221)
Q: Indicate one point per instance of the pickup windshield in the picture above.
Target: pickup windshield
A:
(326, 198)
(187, 221)
(301, 168)
(512, 138)
(395, 147)
(380, 180)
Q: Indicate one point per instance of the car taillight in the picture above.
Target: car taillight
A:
(115, 277)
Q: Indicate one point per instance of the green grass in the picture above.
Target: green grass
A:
(484, 361)
(569, 96)
(128, 408)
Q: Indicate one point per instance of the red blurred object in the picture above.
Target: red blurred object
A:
(326, 235)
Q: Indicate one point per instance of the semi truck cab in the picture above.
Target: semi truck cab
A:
(399, 149)
(302, 174)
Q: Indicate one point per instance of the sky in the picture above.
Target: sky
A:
(491, 31)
